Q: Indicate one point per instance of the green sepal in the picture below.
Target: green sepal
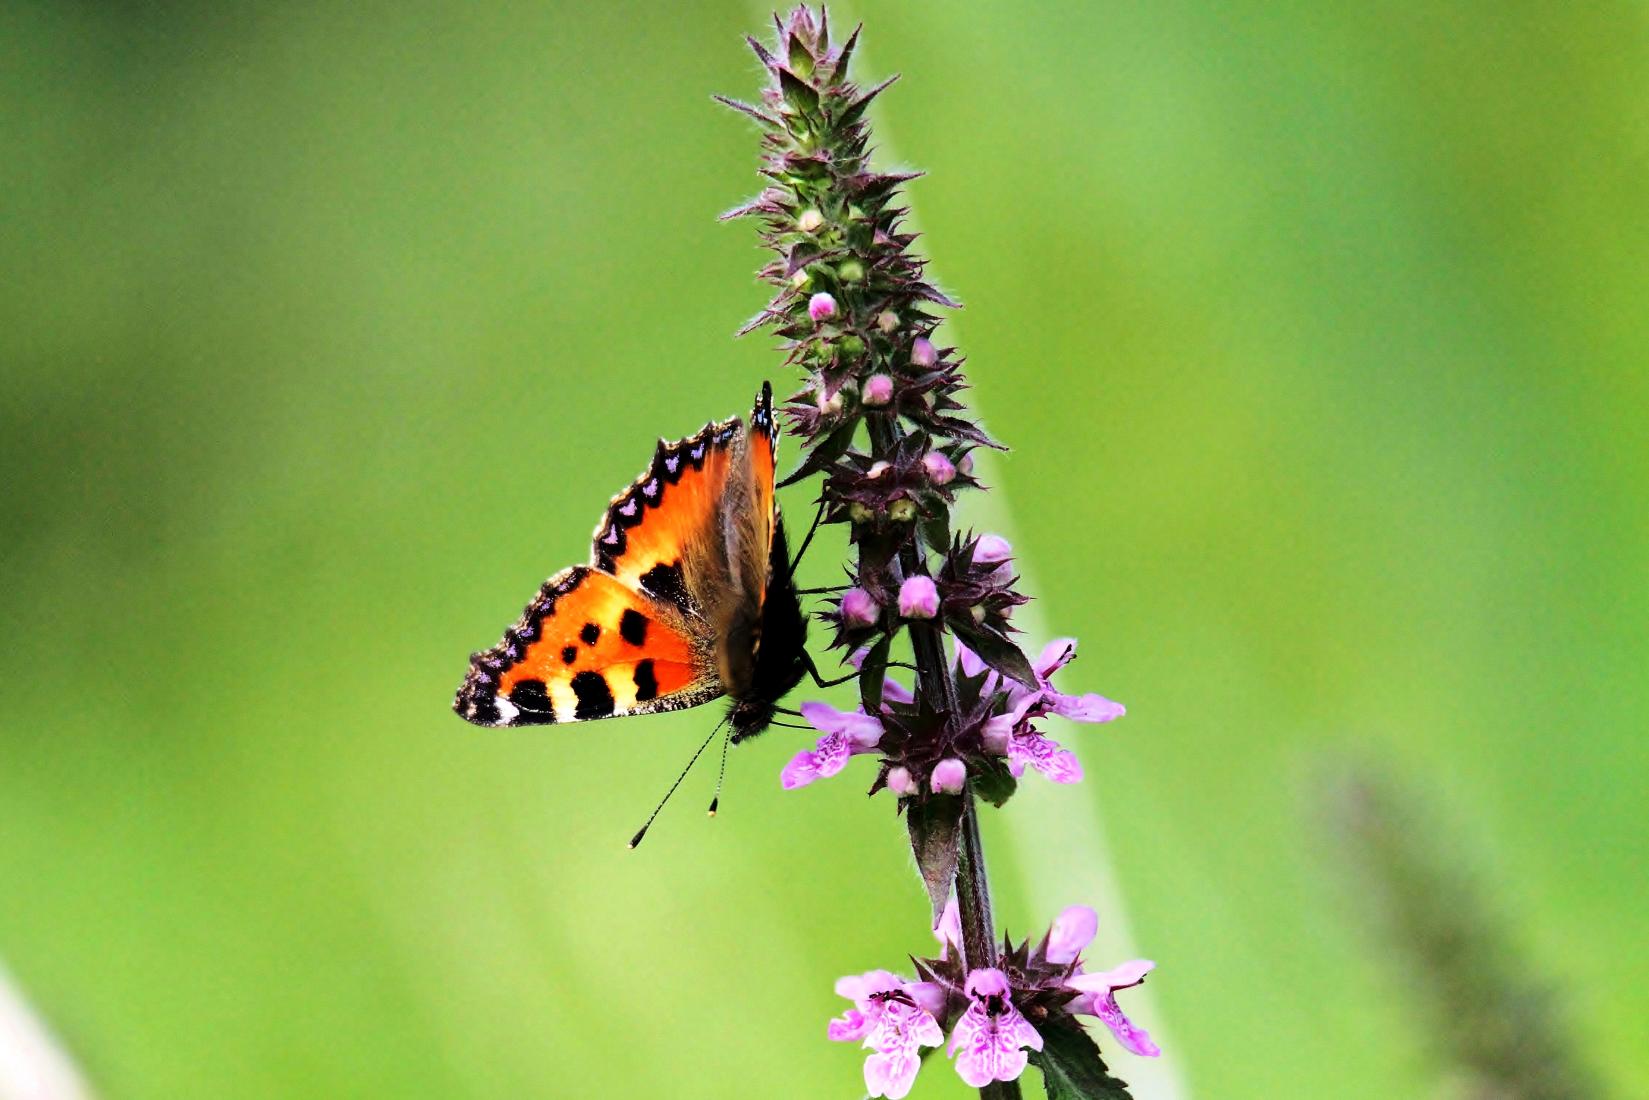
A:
(851, 113)
(798, 93)
(801, 59)
(824, 453)
(1071, 1066)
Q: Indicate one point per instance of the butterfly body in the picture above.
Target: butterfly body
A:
(688, 598)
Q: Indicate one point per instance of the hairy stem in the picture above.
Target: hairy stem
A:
(973, 891)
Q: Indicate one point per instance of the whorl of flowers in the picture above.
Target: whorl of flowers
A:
(883, 426)
(1000, 1018)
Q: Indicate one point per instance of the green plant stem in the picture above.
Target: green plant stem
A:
(973, 892)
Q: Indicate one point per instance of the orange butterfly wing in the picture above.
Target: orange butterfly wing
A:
(670, 514)
(623, 635)
(587, 647)
(635, 631)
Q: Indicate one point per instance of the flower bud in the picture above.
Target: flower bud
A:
(850, 271)
(950, 775)
(851, 346)
(922, 353)
(900, 781)
(918, 597)
(859, 513)
(991, 549)
(830, 405)
(801, 279)
(902, 510)
(939, 467)
(965, 463)
(859, 608)
(821, 307)
(877, 469)
(810, 220)
(878, 390)
(994, 734)
(887, 321)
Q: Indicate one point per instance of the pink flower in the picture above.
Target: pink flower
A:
(1101, 1001)
(939, 468)
(878, 390)
(989, 1040)
(922, 353)
(845, 736)
(1012, 734)
(895, 1019)
(1071, 933)
(859, 608)
(918, 598)
(821, 307)
(949, 776)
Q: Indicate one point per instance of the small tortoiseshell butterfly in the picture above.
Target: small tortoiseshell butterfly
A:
(688, 597)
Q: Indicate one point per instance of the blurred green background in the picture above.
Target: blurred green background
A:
(326, 331)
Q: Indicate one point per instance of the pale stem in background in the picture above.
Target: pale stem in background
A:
(32, 1065)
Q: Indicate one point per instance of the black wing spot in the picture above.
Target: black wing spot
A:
(632, 626)
(665, 581)
(591, 633)
(533, 702)
(595, 698)
(646, 681)
(569, 654)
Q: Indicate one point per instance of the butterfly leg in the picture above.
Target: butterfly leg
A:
(813, 671)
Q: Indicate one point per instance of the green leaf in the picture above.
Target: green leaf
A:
(935, 522)
(1071, 1066)
(994, 783)
(872, 674)
(798, 92)
(823, 453)
(995, 650)
(935, 835)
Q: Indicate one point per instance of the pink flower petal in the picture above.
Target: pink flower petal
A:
(1085, 708)
(1055, 656)
(849, 1027)
(1131, 1037)
(861, 728)
(949, 929)
(1072, 931)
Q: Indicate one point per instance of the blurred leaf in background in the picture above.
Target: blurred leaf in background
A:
(325, 332)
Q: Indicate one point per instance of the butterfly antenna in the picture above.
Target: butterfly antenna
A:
(641, 832)
(721, 773)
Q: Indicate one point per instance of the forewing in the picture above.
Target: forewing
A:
(663, 533)
(588, 646)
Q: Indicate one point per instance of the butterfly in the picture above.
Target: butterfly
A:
(688, 597)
